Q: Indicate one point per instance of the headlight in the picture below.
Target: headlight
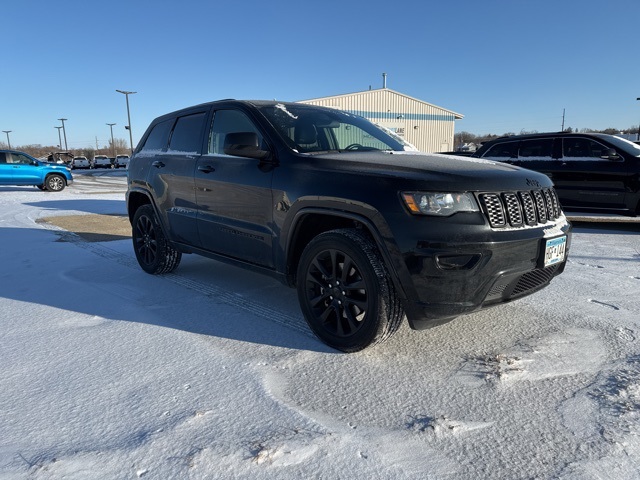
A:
(440, 204)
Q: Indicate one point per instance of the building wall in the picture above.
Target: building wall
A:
(428, 127)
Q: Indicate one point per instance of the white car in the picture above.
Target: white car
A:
(80, 162)
(121, 161)
(101, 161)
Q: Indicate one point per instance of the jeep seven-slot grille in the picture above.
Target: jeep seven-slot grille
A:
(519, 209)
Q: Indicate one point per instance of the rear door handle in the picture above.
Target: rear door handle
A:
(157, 164)
(206, 169)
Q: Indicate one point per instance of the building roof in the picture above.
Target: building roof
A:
(389, 92)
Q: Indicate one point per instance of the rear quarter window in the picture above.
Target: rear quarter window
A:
(158, 138)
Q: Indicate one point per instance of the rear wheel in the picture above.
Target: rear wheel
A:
(153, 251)
(345, 292)
(55, 183)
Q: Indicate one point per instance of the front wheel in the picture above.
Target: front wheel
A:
(55, 183)
(153, 251)
(345, 292)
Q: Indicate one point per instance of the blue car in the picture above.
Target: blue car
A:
(19, 168)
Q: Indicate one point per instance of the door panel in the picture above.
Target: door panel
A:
(234, 196)
(584, 179)
(24, 172)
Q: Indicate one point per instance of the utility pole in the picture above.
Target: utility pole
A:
(562, 120)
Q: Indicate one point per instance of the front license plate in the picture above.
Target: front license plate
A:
(554, 251)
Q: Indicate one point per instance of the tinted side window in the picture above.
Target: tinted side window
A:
(582, 148)
(159, 136)
(23, 159)
(540, 148)
(503, 150)
(229, 121)
(187, 134)
(2, 157)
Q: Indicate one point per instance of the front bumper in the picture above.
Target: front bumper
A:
(449, 279)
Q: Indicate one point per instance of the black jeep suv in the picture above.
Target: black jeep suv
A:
(592, 172)
(330, 203)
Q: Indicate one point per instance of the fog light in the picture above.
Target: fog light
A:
(457, 262)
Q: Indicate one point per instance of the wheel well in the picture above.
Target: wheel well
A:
(310, 226)
(135, 201)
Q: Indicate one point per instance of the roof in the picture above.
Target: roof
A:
(530, 136)
(458, 116)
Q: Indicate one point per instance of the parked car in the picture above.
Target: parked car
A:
(80, 162)
(122, 161)
(19, 168)
(326, 201)
(591, 171)
(101, 161)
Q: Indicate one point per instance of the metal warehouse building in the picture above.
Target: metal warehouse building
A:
(428, 127)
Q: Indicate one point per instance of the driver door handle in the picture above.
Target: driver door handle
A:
(206, 169)
(157, 164)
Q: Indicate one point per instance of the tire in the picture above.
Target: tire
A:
(153, 251)
(347, 308)
(55, 183)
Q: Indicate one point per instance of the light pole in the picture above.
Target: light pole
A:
(8, 132)
(59, 137)
(638, 125)
(128, 127)
(113, 145)
(64, 132)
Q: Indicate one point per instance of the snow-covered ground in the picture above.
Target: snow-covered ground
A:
(211, 372)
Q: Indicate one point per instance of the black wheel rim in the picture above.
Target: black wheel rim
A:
(146, 241)
(337, 293)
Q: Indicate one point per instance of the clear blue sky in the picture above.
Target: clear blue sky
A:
(506, 65)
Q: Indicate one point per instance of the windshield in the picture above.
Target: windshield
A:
(308, 129)
(622, 144)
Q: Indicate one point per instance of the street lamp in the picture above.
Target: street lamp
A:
(64, 131)
(638, 125)
(8, 132)
(113, 146)
(128, 127)
(59, 137)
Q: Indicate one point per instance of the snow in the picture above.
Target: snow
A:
(211, 372)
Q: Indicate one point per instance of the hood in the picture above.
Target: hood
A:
(448, 171)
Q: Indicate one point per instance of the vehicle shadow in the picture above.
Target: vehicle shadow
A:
(100, 283)
(606, 228)
(28, 188)
(109, 207)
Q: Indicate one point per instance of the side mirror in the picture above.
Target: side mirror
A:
(244, 144)
(610, 154)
